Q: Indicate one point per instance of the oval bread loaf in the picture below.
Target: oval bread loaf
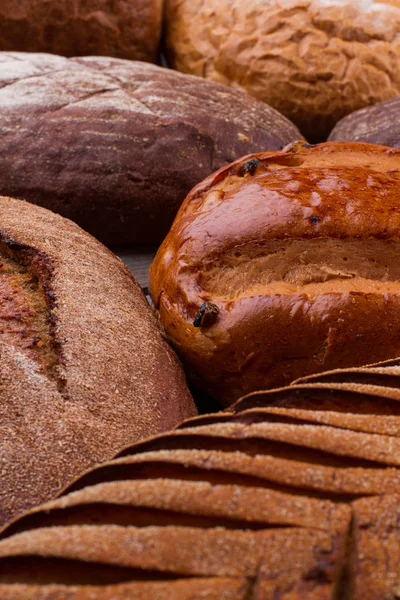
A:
(95, 27)
(284, 264)
(377, 124)
(313, 60)
(271, 500)
(84, 369)
(116, 145)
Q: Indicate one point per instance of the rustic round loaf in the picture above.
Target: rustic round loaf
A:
(261, 502)
(284, 264)
(314, 60)
(119, 28)
(116, 145)
(84, 369)
(377, 124)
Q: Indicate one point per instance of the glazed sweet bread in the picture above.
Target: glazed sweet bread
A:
(84, 369)
(268, 501)
(313, 60)
(284, 264)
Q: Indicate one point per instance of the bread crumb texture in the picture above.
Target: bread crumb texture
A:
(314, 60)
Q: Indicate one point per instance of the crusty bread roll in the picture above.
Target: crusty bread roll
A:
(83, 366)
(314, 60)
(284, 264)
(116, 145)
(377, 124)
(268, 501)
(119, 28)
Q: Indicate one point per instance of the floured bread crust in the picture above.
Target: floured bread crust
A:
(288, 496)
(314, 60)
(83, 365)
(284, 264)
(116, 145)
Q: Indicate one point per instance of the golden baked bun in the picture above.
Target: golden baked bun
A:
(284, 264)
(314, 60)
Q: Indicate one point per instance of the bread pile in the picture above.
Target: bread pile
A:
(84, 369)
(267, 501)
(314, 60)
(282, 264)
(116, 145)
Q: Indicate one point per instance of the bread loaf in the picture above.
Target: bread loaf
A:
(116, 145)
(263, 502)
(284, 264)
(97, 27)
(377, 124)
(314, 60)
(83, 366)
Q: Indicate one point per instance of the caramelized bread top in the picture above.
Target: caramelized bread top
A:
(283, 264)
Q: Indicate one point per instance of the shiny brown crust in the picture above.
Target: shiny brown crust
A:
(94, 27)
(284, 264)
(116, 145)
(83, 366)
(266, 502)
(378, 124)
(314, 60)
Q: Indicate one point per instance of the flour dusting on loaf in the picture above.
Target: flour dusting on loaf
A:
(116, 145)
(83, 364)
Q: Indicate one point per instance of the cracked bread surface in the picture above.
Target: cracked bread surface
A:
(83, 364)
(313, 60)
(297, 253)
(115, 145)
(219, 526)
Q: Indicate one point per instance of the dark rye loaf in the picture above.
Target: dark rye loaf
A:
(119, 28)
(83, 366)
(287, 497)
(377, 124)
(117, 145)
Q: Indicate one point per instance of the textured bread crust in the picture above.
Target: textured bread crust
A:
(83, 366)
(116, 145)
(266, 502)
(122, 29)
(282, 265)
(314, 60)
(378, 124)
